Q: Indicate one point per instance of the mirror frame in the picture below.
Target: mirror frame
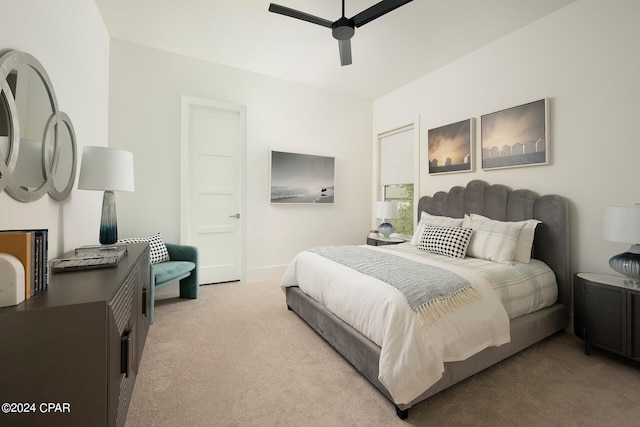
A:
(59, 119)
(8, 63)
(10, 158)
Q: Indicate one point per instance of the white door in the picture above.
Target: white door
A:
(213, 147)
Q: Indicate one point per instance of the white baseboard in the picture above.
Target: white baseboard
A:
(266, 273)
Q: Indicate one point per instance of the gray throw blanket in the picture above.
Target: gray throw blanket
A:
(430, 291)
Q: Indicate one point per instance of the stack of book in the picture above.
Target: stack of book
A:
(31, 249)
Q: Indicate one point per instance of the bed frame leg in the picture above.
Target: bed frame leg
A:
(403, 414)
(289, 307)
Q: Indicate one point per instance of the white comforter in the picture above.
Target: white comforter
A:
(412, 355)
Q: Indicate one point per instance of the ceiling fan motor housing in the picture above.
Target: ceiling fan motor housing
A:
(343, 29)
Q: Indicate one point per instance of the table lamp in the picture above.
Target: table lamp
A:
(108, 170)
(622, 224)
(386, 211)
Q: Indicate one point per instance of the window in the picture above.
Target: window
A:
(396, 175)
(403, 194)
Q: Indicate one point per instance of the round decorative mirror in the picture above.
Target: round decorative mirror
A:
(59, 156)
(40, 153)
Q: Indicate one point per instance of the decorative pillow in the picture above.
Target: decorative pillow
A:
(525, 241)
(426, 218)
(449, 241)
(157, 249)
(493, 240)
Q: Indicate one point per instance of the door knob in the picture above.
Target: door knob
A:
(235, 216)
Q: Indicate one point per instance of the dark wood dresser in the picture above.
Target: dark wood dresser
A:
(70, 356)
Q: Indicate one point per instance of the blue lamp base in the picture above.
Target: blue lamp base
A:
(386, 229)
(628, 264)
(108, 222)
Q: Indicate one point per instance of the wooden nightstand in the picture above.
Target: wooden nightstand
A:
(607, 313)
(380, 241)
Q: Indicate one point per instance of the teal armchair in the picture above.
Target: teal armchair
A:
(183, 267)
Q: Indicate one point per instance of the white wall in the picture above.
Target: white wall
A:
(72, 44)
(145, 91)
(585, 59)
(582, 57)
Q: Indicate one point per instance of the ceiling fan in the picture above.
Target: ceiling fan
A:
(344, 28)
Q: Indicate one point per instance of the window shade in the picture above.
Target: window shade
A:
(396, 158)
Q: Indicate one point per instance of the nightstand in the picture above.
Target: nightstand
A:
(381, 241)
(607, 313)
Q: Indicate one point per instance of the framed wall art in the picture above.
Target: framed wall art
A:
(450, 148)
(301, 178)
(517, 136)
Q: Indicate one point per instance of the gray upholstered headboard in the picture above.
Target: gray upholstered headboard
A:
(551, 243)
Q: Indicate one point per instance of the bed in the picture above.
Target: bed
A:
(370, 355)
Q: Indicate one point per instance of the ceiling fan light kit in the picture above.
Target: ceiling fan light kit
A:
(344, 28)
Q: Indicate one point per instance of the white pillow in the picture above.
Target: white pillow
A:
(426, 218)
(449, 241)
(525, 241)
(492, 240)
(157, 249)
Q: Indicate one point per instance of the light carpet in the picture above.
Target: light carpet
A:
(237, 357)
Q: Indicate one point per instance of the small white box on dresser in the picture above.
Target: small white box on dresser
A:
(11, 280)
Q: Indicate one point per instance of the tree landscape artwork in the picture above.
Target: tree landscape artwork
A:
(301, 178)
(451, 148)
(516, 136)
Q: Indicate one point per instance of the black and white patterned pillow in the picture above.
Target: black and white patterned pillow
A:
(449, 241)
(157, 249)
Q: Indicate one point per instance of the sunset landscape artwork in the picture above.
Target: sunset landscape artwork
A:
(516, 136)
(451, 148)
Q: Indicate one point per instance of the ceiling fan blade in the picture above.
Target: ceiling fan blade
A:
(282, 10)
(377, 10)
(345, 52)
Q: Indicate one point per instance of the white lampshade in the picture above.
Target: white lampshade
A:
(106, 169)
(622, 224)
(387, 210)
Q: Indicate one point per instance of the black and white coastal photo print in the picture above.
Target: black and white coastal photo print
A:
(302, 178)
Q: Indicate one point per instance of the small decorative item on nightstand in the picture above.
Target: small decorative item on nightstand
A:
(373, 234)
(622, 224)
(386, 211)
